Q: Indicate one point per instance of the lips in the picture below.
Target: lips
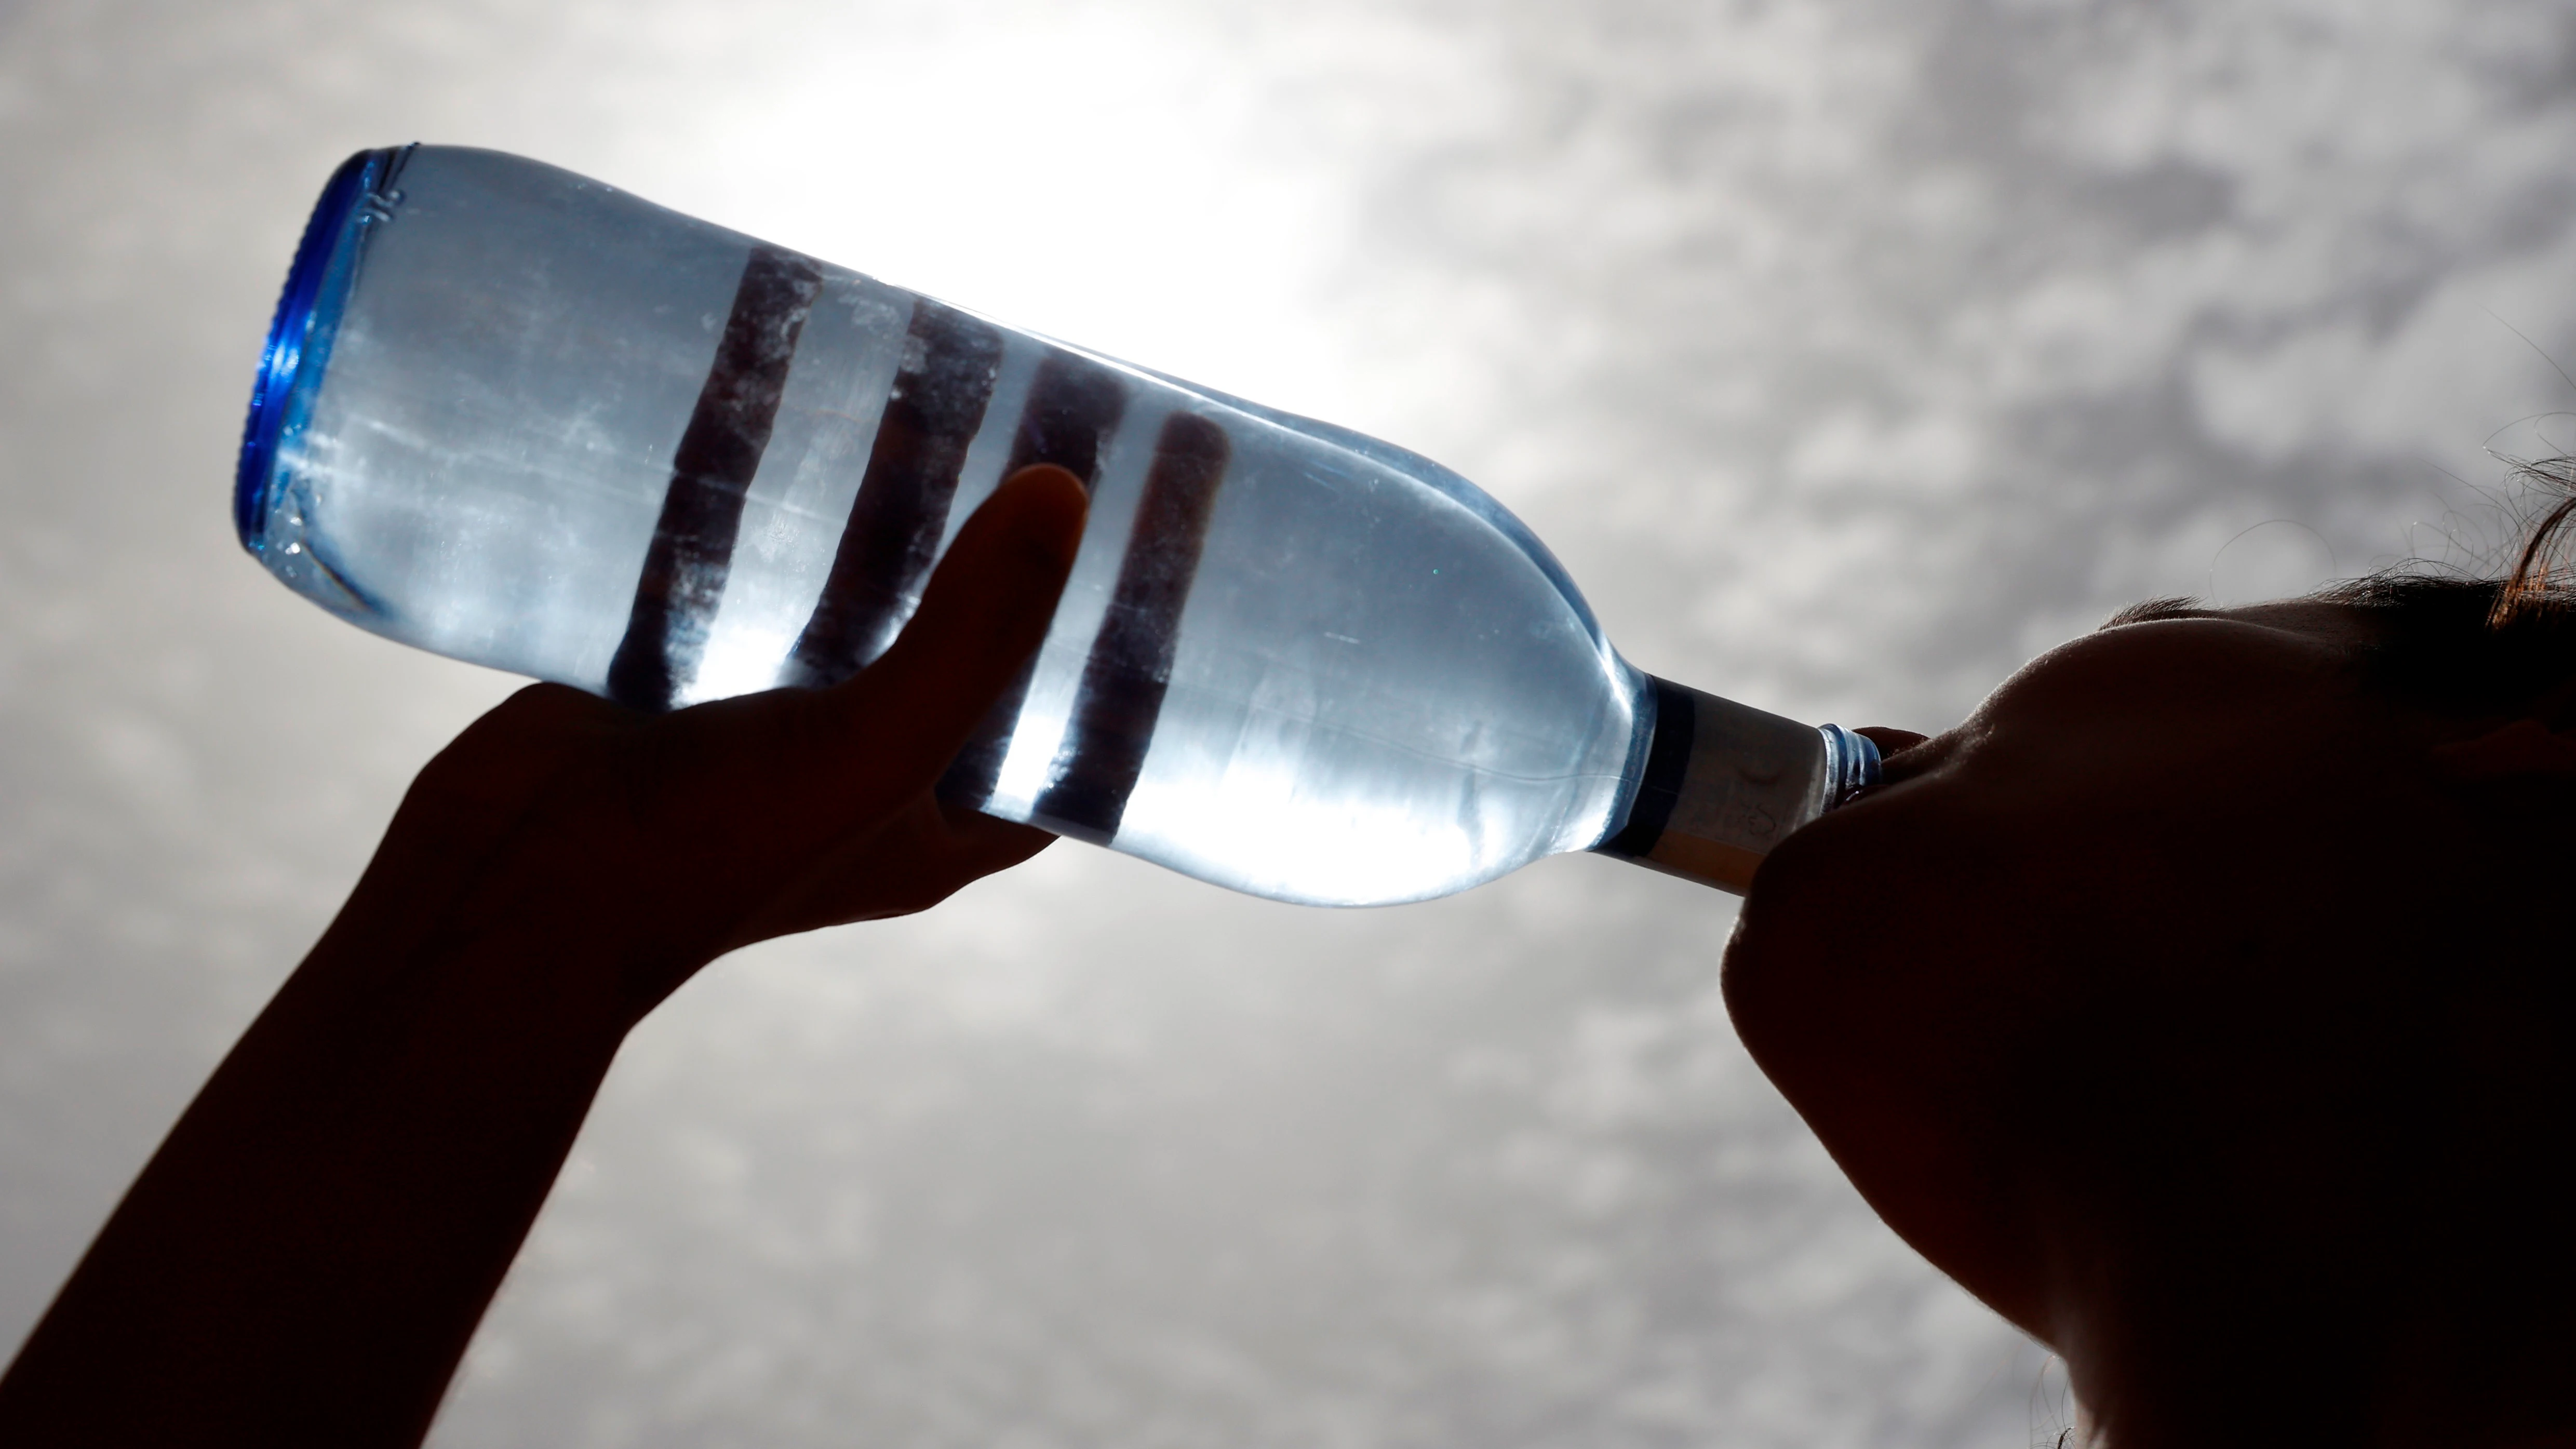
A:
(1906, 764)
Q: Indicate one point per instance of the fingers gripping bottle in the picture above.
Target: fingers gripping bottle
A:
(527, 420)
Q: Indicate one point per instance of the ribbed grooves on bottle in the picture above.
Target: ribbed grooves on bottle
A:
(1074, 405)
(1120, 697)
(691, 556)
(932, 413)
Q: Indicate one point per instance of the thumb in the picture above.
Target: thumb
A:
(983, 614)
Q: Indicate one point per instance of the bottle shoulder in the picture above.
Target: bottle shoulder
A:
(1429, 472)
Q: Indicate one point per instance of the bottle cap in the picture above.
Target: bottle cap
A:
(1724, 783)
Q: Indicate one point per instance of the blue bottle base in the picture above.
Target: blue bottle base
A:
(299, 333)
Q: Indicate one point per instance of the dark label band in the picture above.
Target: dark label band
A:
(1667, 765)
(1121, 694)
(1074, 405)
(693, 541)
(931, 415)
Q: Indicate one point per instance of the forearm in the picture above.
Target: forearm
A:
(305, 1258)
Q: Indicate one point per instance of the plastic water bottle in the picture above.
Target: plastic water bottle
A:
(524, 419)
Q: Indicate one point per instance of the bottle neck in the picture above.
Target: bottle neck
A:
(1724, 783)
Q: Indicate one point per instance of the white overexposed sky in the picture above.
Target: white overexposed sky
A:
(1848, 352)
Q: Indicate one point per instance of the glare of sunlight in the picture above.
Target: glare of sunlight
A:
(740, 659)
(1094, 177)
(1029, 759)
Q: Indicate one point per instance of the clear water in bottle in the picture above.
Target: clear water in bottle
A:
(521, 418)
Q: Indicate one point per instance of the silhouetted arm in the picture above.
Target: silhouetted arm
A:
(306, 1257)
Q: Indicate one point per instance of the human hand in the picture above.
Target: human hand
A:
(648, 845)
(306, 1257)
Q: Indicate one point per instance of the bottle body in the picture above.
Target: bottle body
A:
(519, 418)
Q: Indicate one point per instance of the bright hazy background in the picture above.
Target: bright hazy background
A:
(1849, 352)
